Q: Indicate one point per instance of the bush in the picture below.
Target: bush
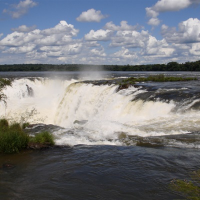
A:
(12, 138)
(43, 138)
(24, 125)
(3, 124)
(15, 126)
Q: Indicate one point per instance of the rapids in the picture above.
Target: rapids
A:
(100, 114)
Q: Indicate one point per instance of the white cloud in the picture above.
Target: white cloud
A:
(42, 44)
(124, 53)
(154, 21)
(151, 12)
(91, 15)
(24, 28)
(20, 9)
(123, 26)
(99, 35)
(125, 45)
(1, 35)
(167, 6)
(61, 28)
(171, 5)
(97, 52)
(189, 32)
(130, 39)
(159, 48)
(195, 50)
(58, 35)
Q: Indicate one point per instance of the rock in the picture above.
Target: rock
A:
(38, 146)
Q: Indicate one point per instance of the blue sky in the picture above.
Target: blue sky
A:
(99, 31)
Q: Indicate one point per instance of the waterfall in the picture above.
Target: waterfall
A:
(95, 113)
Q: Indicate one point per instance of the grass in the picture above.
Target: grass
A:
(188, 189)
(157, 78)
(43, 138)
(13, 138)
(25, 125)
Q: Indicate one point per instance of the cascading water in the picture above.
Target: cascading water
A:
(95, 114)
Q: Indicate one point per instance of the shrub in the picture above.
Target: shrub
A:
(13, 139)
(3, 124)
(24, 125)
(15, 126)
(43, 138)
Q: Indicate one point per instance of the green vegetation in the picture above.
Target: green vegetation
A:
(188, 189)
(125, 83)
(24, 125)
(171, 66)
(43, 138)
(4, 124)
(13, 138)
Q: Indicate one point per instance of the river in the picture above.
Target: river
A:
(110, 144)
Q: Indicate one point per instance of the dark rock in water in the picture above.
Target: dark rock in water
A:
(7, 166)
(81, 122)
(30, 91)
(38, 146)
(37, 128)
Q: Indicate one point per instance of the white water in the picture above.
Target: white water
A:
(94, 114)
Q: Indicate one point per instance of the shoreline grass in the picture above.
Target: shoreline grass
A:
(13, 138)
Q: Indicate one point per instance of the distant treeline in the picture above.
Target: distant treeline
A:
(171, 66)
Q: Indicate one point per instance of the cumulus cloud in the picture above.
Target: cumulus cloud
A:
(167, 6)
(59, 35)
(125, 44)
(97, 52)
(124, 53)
(189, 32)
(195, 50)
(37, 40)
(17, 10)
(99, 35)
(24, 28)
(123, 26)
(91, 15)
(154, 21)
(51, 45)
(130, 39)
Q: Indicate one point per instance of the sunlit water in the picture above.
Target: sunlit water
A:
(126, 144)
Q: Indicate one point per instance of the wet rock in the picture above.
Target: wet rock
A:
(81, 122)
(38, 146)
(7, 166)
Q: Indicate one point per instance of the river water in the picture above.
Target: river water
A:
(110, 144)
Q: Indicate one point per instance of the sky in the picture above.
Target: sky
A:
(99, 32)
